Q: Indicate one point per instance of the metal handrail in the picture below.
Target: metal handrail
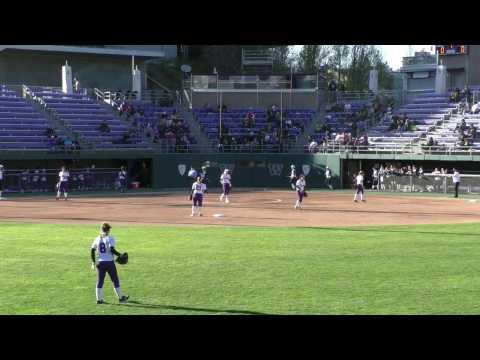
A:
(157, 83)
(320, 149)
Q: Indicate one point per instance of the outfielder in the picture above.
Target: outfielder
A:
(225, 180)
(105, 244)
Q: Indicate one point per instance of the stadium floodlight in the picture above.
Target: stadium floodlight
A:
(186, 68)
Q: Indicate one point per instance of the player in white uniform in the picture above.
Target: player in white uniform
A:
(381, 177)
(105, 245)
(300, 186)
(226, 181)
(2, 180)
(198, 189)
(122, 179)
(437, 180)
(293, 176)
(328, 177)
(62, 185)
(359, 186)
(456, 181)
(375, 179)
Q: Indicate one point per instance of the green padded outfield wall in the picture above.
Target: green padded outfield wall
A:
(248, 170)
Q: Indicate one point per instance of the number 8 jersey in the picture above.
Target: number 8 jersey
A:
(103, 245)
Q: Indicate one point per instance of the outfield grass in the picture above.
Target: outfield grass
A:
(45, 269)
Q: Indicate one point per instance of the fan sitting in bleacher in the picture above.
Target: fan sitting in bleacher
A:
(466, 94)
(475, 108)
(461, 127)
(50, 133)
(249, 121)
(455, 96)
(103, 127)
(313, 146)
(224, 108)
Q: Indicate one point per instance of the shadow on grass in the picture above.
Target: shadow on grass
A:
(138, 304)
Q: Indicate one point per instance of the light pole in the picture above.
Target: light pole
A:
(291, 84)
(216, 74)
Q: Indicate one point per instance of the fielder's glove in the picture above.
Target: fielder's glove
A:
(122, 259)
(190, 197)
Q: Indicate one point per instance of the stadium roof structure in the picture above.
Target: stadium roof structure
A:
(101, 50)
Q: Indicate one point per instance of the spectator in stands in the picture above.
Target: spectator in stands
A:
(354, 128)
(332, 86)
(271, 113)
(365, 140)
(473, 131)
(455, 97)
(249, 121)
(224, 108)
(207, 107)
(476, 108)
(466, 94)
(126, 138)
(395, 123)
(339, 138)
(430, 142)
(104, 128)
(288, 123)
(118, 95)
(313, 146)
(76, 85)
(50, 133)
(461, 127)
(124, 108)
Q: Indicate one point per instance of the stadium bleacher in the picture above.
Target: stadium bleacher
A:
(233, 121)
(84, 116)
(21, 125)
(150, 115)
(426, 110)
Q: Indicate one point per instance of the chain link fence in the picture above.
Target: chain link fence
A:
(428, 183)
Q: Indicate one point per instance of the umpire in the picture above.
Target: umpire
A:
(456, 181)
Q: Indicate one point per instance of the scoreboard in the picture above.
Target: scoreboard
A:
(451, 49)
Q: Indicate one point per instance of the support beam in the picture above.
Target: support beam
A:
(67, 84)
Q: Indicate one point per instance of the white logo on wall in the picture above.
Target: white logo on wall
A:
(275, 169)
(230, 167)
(306, 169)
(181, 169)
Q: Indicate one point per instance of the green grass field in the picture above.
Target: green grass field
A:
(45, 269)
